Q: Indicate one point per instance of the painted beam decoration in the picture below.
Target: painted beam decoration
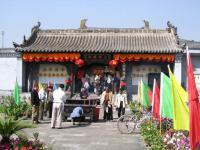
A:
(50, 57)
(146, 57)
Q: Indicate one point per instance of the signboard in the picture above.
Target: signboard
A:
(54, 73)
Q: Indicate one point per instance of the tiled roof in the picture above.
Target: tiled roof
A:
(110, 40)
(7, 52)
(191, 44)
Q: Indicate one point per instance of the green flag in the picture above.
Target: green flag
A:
(16, 94)
(145, 95)
(165, 97)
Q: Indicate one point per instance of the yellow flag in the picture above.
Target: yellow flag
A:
(179, 106)
(40, 85)
(139, 91)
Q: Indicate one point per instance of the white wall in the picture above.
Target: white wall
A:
(7, 73)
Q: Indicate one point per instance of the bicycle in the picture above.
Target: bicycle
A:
(126, 124)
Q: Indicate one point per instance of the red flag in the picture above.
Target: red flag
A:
(156, 100)
(150, 96)
(194, 106)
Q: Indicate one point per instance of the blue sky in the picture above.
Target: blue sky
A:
(17, 17)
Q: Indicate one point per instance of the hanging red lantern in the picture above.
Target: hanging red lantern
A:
(25, 58)
(61, 59)
(44, 58)
(72, 59)
(79, 62)
(76, 58)
(122, 60)
(50, 59)
(30, 59)
(113, 63)
(66, 58)
(56, 59)
(37, 59)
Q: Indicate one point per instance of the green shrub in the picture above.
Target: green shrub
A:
(136, 109)
(10, 109)
(9, 126)
(151, 135)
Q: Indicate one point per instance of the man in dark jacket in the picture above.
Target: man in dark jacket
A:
(35, 102)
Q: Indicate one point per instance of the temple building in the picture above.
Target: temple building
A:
(129, 53)
(194, 50)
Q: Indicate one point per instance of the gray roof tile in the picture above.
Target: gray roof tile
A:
(108, 40)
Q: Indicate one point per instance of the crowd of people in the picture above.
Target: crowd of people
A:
(110, 100)
(111, 90)
(97, 83)
(50, 102)
(46, 101)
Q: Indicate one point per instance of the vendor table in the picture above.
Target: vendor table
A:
(89, 106)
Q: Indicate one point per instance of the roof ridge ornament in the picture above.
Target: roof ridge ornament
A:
(32, 37)
(83, 24)
(171, 27)
(146, 25)
(36, 27)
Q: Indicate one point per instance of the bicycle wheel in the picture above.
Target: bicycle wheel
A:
(141, 121)
(126, 124)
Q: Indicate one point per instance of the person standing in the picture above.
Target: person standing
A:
(50, 100)
(121, 99)
(35, 102)
(106, 97)
(42, 97)
(59, 97)
(83, 94)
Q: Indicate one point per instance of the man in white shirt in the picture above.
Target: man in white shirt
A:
(121, 100)
(59, 98)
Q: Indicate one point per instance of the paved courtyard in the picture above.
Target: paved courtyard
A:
(94, 136)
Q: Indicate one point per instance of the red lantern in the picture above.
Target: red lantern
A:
(76, 58)
(66, 58)
(122, 60)
(61, 59)
(113, 63)
(50, 59)
(56, 59)
(25, 58)
(30, 59)
(37, 58)
(44, 58)
(72, 59)
(79, 62)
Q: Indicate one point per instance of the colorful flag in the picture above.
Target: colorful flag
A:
(156, 100)
(16, 93)
(139, 91)
(165, 97)
(194, 106)
(145, 95)
(179, 107)
(40, 86)
(55, 87)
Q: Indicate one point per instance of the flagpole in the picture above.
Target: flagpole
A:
(160, 125)
(138, 91)
(152, 100)
(161, 102)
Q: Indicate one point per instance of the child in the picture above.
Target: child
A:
(109, 111)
